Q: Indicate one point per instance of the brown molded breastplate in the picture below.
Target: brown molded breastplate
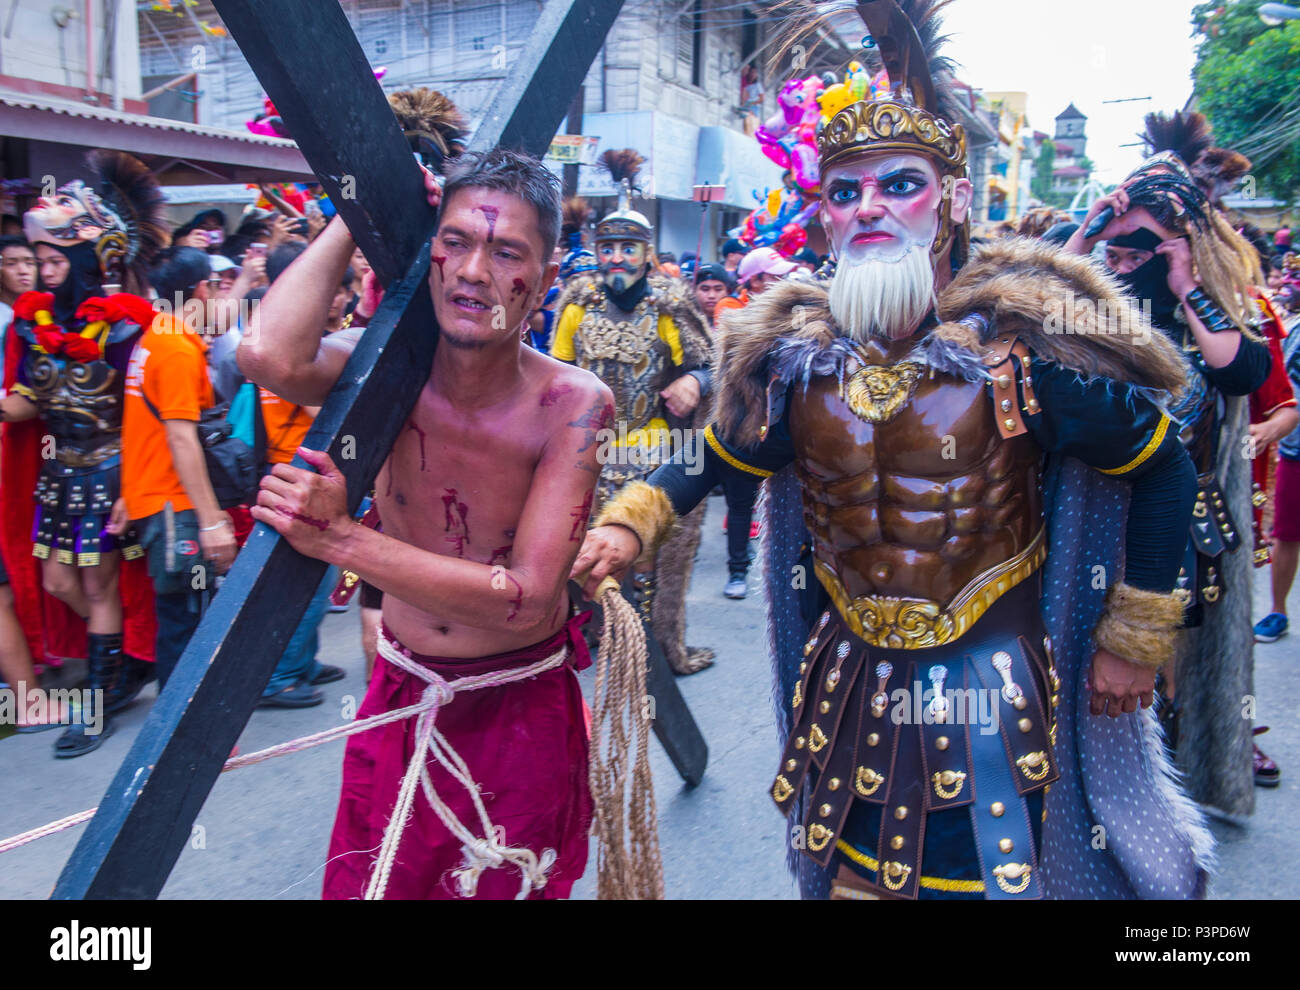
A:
(922, 515)
(80, 404)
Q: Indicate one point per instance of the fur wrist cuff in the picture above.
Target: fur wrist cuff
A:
(645, 510)
(1139, 625)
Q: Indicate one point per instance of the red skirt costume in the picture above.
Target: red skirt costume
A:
(524, 743)
(1274, 394)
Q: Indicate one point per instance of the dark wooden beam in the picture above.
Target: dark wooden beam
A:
(144, 820)
(324, 90)
(313, 69)
(547, 71)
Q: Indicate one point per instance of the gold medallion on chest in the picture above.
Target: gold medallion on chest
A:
(875, 393)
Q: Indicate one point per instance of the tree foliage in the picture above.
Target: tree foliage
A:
(1247, 80)
(1041, 185)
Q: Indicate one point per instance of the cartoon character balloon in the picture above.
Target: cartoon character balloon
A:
(789, 137)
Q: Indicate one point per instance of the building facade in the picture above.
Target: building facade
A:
(666, 82)
(70, 80)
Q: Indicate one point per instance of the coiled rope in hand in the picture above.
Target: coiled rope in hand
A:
(628, 862)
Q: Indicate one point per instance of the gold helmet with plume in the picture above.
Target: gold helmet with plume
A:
(625, 223)
(918, 116)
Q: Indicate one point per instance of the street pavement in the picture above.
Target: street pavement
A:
(264, 829)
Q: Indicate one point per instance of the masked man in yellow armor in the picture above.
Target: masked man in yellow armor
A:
(979, 471)
(640, 334)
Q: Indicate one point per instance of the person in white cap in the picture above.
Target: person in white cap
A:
(761, 268)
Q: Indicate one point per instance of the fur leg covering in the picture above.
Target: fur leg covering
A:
(1139, 625)
(673, 569)
(1214, 738)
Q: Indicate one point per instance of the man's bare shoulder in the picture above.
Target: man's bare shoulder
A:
(566, 395)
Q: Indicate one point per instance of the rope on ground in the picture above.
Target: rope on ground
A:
(628, 862)
(629, 865)
(234, 763)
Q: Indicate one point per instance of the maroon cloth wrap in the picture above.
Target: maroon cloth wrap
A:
(525, 744)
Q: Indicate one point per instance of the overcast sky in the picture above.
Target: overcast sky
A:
(1082, 53)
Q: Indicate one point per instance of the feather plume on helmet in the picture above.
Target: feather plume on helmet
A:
(121, 212)
(431, 123)
(920, 114)
(624, 166)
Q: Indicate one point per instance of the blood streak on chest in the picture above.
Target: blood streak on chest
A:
(490, 214)
(456, 515)
(411, 426)
(501, 555)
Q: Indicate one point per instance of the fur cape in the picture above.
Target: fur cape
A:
(1019, 285)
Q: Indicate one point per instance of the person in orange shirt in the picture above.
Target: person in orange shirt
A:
(187, 537)
(293, 682)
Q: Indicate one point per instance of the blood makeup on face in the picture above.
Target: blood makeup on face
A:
(501, 277)
(491, 214)
(876, 206)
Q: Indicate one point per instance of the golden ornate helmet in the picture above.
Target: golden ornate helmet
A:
(918, 115)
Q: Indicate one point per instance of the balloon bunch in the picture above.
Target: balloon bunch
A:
(789, 138)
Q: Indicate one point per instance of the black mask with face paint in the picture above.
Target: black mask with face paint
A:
(1151, 279)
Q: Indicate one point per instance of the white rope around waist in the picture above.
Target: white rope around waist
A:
(481, 852)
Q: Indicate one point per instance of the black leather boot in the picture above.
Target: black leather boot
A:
(105, 675)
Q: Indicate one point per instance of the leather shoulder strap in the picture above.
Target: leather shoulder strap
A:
(1007, 359)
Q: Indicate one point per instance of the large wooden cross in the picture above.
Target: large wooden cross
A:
(310, 64)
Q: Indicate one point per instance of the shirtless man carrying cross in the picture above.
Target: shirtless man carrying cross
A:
(484, 499)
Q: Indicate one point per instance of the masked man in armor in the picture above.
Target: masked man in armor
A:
(1173, 250)
(996, 504)
(640, 334)
(68, 351)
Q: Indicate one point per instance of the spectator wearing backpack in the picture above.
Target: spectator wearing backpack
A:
(168, 492)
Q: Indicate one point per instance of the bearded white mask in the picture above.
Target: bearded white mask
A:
(883, 297)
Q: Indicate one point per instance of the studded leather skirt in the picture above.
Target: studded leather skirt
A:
(73, 509)
(921, 773)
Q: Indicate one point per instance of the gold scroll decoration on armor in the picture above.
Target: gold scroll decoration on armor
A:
(919, 623)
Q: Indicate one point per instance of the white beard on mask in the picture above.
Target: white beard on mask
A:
(883, 298)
